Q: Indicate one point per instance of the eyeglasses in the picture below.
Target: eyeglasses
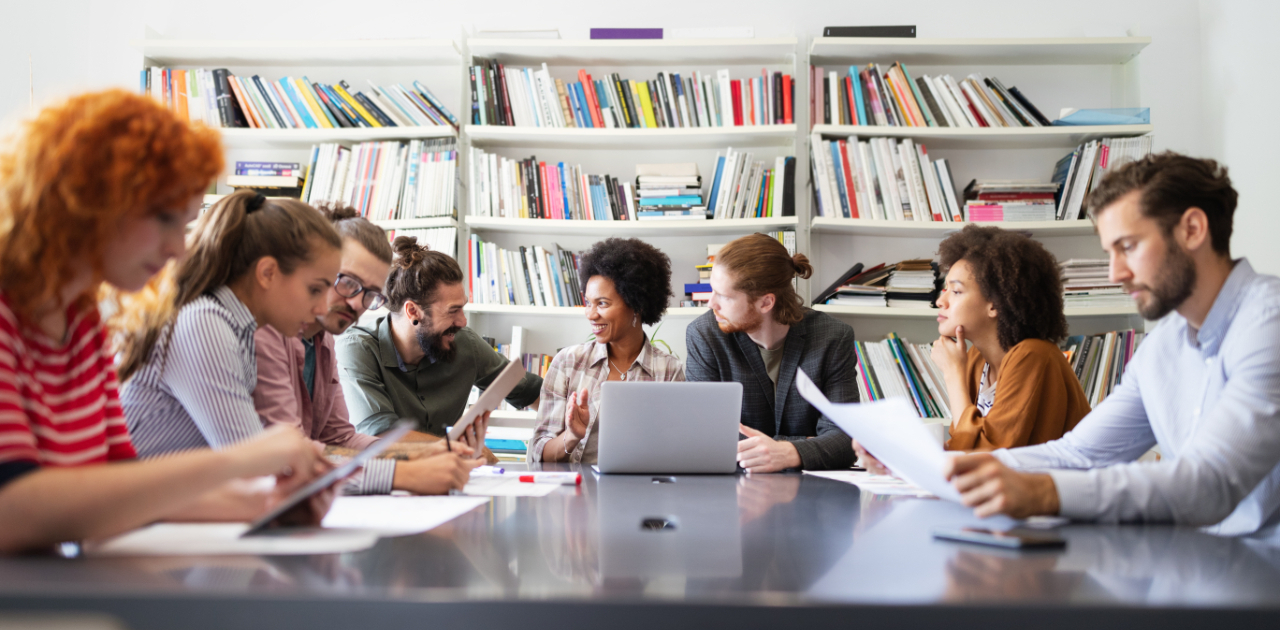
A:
(349, 287)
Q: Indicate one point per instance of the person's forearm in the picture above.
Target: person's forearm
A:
(557, 449)
(53, 505)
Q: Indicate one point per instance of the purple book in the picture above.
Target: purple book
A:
(626, 33)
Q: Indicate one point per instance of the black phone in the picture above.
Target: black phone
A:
(1010, 539)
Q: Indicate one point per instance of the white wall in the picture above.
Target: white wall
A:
(1206, 76)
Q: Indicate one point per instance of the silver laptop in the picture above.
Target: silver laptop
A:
(659, 427)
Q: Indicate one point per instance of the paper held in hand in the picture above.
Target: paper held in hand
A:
(890, 430)
(490, 399)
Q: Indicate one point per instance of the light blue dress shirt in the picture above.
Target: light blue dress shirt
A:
(1209, 398)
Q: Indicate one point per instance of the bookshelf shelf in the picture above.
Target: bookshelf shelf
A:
(931, 313)
(989, 137)
(420, 222)
(353, 52)
(878, 227)
(609, 139)
(1074, 51)
(622, 52)
(566, 311)
(304, 138)
(628, 228)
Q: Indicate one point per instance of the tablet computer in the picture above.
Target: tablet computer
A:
(341, 472)
(489, 399)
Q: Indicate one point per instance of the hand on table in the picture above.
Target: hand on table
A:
(869, 462)
(308, 513)
(760, 453)
(990, 487)
(437, 474)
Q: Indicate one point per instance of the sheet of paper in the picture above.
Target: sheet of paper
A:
(215, 539)
(398, 515)
(890, 430)
(507, 486)
(875, 484)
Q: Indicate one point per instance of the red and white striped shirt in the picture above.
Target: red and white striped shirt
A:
(59, 403)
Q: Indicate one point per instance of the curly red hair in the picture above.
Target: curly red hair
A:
(77, 169)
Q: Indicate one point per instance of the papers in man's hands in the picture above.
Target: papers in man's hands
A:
(397, 515)
(217, 539)
(875, 484)
(890, 430)
(490, 399)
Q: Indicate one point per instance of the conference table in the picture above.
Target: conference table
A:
(657, 551)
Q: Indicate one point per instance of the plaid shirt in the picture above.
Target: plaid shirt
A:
(586, 366)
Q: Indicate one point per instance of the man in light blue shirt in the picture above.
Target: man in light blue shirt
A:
(1204, 386)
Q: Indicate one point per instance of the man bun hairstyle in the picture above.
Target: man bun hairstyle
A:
(417, 273)
(759, 265)
(1169, 183)
(640, 272)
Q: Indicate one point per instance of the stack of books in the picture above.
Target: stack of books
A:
(897, 368)
(533, 189)
(1100, 360)
(913, 284)
(1086, 282)
(529, 97)
(669, 191)
(441, 239)
(274, 179)
(874, 96)
(386, 180)
(1080, 171)
(527, 276)
(1010, 200)
(744, 188)
(878, 178)
(221, 99)
(699, 293)
(858, 287)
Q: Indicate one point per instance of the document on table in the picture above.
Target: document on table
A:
(217, 539)
(397, 515)
(891, 431)
(875, 484)
(506, 486)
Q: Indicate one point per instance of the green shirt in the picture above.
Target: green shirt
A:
(772, 362)
(380, 389)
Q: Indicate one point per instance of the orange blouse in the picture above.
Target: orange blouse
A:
(1038, 399)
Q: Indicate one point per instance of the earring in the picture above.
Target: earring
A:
(415, 322)
(634, 318)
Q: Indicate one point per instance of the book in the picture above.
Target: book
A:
(869, 31)
(626, 33)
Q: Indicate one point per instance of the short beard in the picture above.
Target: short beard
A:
(1173, 285)
(432, 342)
(743, 327)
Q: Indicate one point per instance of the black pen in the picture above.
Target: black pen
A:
(447, 445)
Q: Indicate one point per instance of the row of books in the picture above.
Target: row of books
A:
(873, 96)
(911, 283)
(533, 189)
(699, 293)
(670, 191)
(221, 99)
(386, 180)
(441, 239)
(1080, 171)
(878, 178)
(1086, 282)
(1010, 200)
(897, 368)
(527, 276)
(1100, 360)
(530, 97)
(745, 188)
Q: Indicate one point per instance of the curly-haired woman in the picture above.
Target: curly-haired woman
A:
(627, 285)
(1014, 387)
(97, 190)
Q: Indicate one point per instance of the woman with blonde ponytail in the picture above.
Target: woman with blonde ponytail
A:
(759, 333)
(96, 192)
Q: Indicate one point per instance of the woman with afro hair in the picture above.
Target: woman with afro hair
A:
(627, 285)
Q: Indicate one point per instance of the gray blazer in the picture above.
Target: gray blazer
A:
(820, 345)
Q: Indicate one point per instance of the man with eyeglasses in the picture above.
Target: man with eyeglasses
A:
(298, 376)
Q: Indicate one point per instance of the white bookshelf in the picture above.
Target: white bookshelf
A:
(885, 312)
(418, 223)
(303, 138)
(1063, 137)
(1067, 51)
(941, 229)
(567, 311)
(486, 136)
(331, 52)
(630, 228)
(639, 52)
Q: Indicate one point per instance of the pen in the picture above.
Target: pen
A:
(563, 478)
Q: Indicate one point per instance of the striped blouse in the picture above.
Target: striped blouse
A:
(199, 392)
(59, 404)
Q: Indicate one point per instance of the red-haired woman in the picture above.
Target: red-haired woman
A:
(98, 189)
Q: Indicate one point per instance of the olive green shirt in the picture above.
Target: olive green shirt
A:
(772, 362)
(380, 389)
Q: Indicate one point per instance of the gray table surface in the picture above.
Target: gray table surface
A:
(748, 551)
